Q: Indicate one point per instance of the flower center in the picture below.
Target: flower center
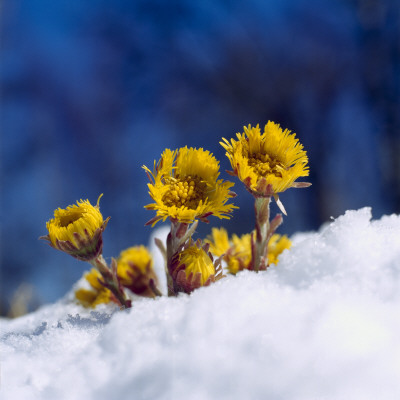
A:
(65, 220)
(263, 165)
(185, 192)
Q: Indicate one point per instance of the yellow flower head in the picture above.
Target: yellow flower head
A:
(194, 267)
(184, 186)
(77, 230)
(268, 163)
(98, 294)
(135, 270)
(237, 251)
(276, 245)
(197, 261)
(219, 241)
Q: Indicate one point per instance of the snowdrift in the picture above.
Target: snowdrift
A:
(323, 324)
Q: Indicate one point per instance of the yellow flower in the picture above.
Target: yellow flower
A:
(77, 230)
(184, 186)
(276, 245)
(219, 241)
(194, 267)
(137, 256)
(135, 270)
(269, 162)
(98, 294)
(237, 252)
(197, 261)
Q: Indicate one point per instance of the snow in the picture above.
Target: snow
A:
(323, 324)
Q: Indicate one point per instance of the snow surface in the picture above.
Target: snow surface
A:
(323, 324)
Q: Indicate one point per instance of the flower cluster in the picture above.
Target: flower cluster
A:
(237, 251)
(186, 189)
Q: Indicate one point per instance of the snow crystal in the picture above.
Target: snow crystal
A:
(323, 324)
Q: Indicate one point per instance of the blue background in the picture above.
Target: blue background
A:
(91, 91)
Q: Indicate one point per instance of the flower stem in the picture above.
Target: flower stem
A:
(260, 248)
(179, 234)
(170, 253)
(154, 288)
(110, 279)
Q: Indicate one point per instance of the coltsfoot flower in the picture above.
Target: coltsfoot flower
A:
(276, 245)
(184, 186)
(237, 251)
(194, 267)
(97, 294)
(267, 163)
(135, 270)
(77, 230)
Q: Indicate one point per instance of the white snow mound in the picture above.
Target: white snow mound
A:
(323, 324)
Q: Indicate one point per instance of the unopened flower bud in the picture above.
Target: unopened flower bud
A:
(135, 271)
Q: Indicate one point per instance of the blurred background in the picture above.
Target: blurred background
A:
(91, 91)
